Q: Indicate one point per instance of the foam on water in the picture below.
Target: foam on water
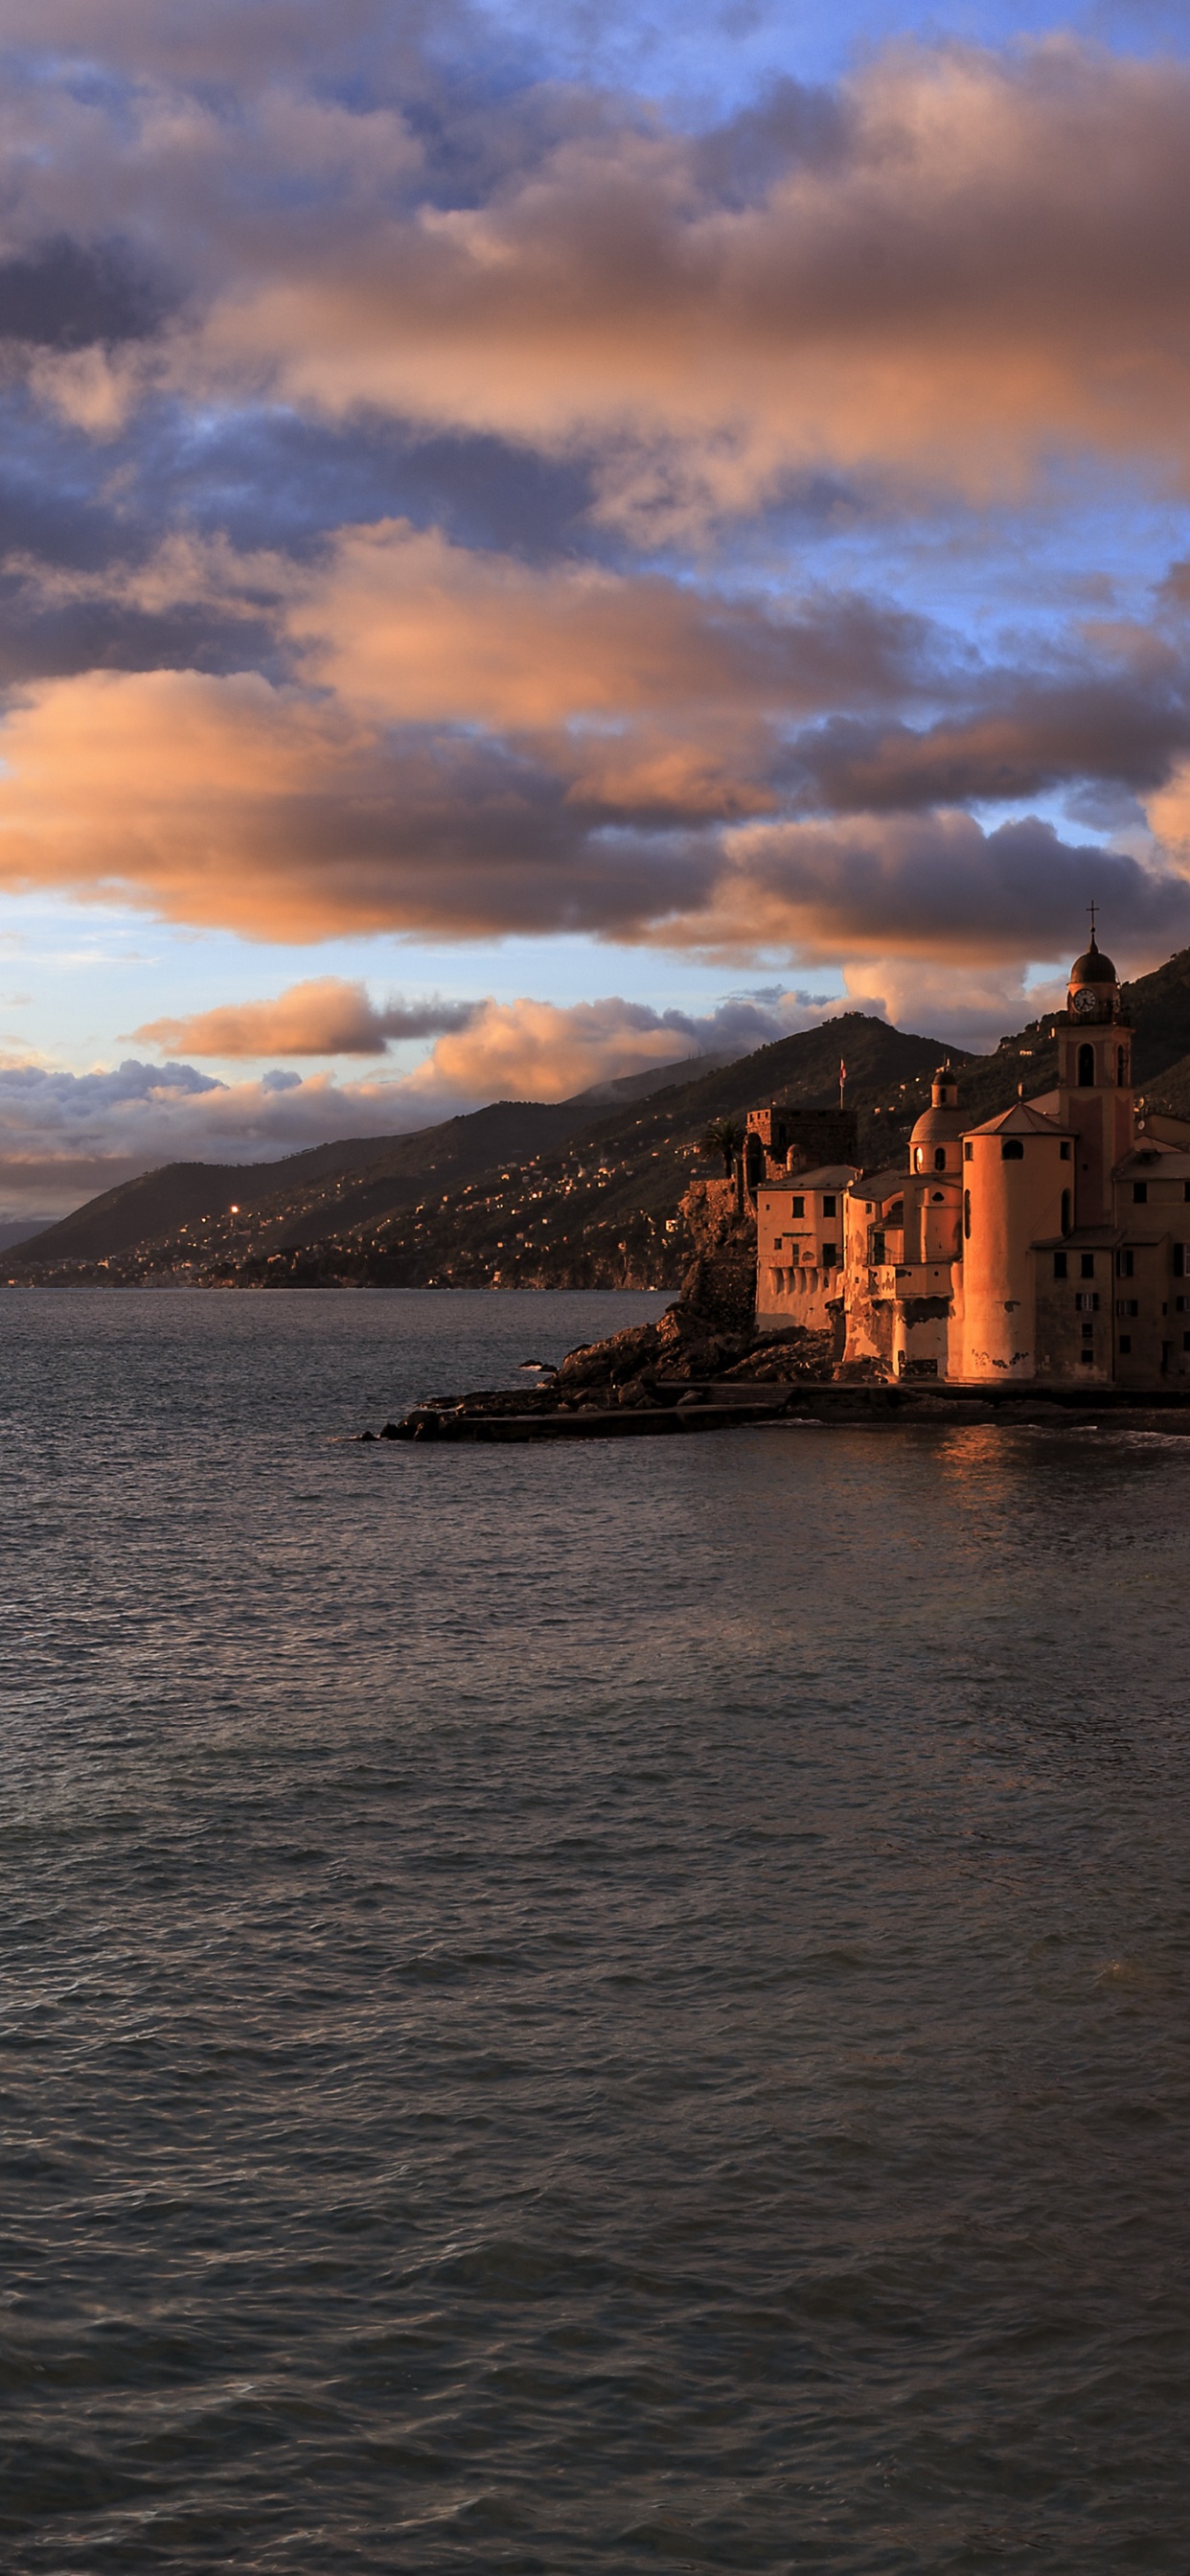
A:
(592, 2008)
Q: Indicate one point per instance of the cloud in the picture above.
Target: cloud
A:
(66, 1136)
(255, 272)
(65, 294)
(237, 803)
(1122, 719)
(983, 264)
(280, 814)
(956, 264)
(530, 1050)
(325, 1017)
(929, 887)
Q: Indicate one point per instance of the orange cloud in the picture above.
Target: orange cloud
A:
(259, 809)
(325, 1016)
(408, 625)
(529, 1050)
(985, 267)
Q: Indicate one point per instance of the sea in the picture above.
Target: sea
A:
(606, 2008)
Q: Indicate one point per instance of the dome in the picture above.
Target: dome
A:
(937, 1127)
(1093, 967)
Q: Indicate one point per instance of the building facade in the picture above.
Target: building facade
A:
(1049, 1244)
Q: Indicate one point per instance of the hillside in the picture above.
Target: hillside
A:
(577, 1190)
(583, 1192)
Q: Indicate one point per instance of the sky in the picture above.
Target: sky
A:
(535, 541)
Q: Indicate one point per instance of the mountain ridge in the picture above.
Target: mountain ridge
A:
(581, 1192)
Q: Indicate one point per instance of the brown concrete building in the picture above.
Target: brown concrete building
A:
(1051, 1243)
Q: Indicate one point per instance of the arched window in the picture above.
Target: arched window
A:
(919, 1157)
(1065, 1211)
(1122, 1067)
(967, 1214)
(940, 1158)
(1012, 1150)
(1086, 1068)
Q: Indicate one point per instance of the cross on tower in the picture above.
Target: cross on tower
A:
(1092, 909)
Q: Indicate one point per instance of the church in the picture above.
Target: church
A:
(1049, 1245)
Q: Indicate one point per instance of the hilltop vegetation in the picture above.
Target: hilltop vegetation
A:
(578, 1193)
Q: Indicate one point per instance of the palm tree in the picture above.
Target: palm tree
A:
(722, 1136)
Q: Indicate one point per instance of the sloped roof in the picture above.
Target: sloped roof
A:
(881, 1185)
(1023, 1119)
(828, 1176)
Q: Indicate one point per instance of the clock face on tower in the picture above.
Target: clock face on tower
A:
(1085, 1000)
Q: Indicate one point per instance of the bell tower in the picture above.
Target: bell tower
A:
(1095, 1080)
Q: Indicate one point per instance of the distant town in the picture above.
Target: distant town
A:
(594, 1192)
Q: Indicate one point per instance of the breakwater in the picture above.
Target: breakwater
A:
(728, 1405)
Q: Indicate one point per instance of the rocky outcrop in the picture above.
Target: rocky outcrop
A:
(709, 1333)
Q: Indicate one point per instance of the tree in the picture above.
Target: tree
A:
(722, 1136)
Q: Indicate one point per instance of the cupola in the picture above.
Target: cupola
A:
(1093, 993)
(935, 1143)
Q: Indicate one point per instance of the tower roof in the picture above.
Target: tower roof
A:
(1021, 1120)
(1093, 967)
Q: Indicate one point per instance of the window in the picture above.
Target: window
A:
(1087, 1358)
(1064, 1150)
(1125, 1345)
(1122, 1066)
(1065, 1226)
(1186, 1341)
(1186, 1189)
(967, 1211)
(1060, 1265)
(1087, 1301)
(877, 1243)
(799, 1207)
(828, 1207)
(940, 1158)
(1086, 1265)
(1086, 1068)
(969, 1157)
(919, 1157)
(830, 1254)
(1127, 1306)
(1012, 1150)
(1140, 1193)
(1179, 1262)
(1088, 1332)
(1125, 1265)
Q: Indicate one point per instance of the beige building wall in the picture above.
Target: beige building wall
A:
(1011, 1198)
(800, 1250)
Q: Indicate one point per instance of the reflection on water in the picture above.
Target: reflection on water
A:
(594, 2008)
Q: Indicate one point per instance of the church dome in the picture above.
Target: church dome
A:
(1093, 967)
(934, 1143)
(935, 1125)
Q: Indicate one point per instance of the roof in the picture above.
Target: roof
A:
(1023, 1119)
(943, 1123)
(879, 1186)
(1155, 1162)
(1158, 1129)
(1082, 1238)
(1093, 967)
(828, 1176)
